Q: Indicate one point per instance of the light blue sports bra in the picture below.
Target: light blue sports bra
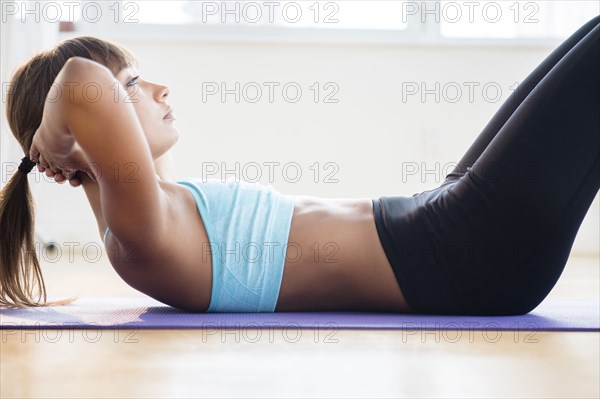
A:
(248, 226)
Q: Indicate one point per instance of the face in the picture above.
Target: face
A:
(150, 103)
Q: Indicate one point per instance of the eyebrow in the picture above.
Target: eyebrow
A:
(129, 78)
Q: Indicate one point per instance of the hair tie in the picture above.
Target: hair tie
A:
(26, 165)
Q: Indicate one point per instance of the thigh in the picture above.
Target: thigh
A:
(532, 270)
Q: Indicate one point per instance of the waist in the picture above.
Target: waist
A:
(332, 246)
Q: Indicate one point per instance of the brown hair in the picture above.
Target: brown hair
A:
(20, 269)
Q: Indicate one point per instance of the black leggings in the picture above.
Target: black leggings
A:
(494, 238)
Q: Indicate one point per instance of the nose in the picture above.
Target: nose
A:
(161, 93)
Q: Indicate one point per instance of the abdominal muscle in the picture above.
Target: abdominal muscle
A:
(335, 261)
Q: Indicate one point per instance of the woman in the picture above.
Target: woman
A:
(493, 239)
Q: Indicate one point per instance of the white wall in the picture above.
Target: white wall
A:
(351, 133)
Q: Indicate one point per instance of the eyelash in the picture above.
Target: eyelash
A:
(132, 82)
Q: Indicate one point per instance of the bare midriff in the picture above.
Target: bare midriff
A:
(335, 260)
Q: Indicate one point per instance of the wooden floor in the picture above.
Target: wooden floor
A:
(293, 363)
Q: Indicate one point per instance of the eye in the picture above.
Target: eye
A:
(132, 82)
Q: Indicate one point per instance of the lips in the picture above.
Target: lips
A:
(169, 115)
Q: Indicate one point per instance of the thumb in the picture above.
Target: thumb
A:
(34, 153)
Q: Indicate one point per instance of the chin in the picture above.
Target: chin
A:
(174, 141)
(166, 143)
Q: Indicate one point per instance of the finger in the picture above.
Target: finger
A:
(41, 163)
(50, 172)
(60, 178)
(68, 175)
(75, 179)
(33, 153)
(75, 182)
(72, 175)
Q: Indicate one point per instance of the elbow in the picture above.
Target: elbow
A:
(78, 67)
(78, 73)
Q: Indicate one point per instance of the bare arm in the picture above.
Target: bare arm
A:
(109, 139)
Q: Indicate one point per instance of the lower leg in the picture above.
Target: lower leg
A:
(515, 100)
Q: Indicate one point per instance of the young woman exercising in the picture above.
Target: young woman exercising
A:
(493, 239)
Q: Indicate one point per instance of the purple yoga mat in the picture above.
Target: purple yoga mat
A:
(147, 313)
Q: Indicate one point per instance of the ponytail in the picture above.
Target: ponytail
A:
(21, 281)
